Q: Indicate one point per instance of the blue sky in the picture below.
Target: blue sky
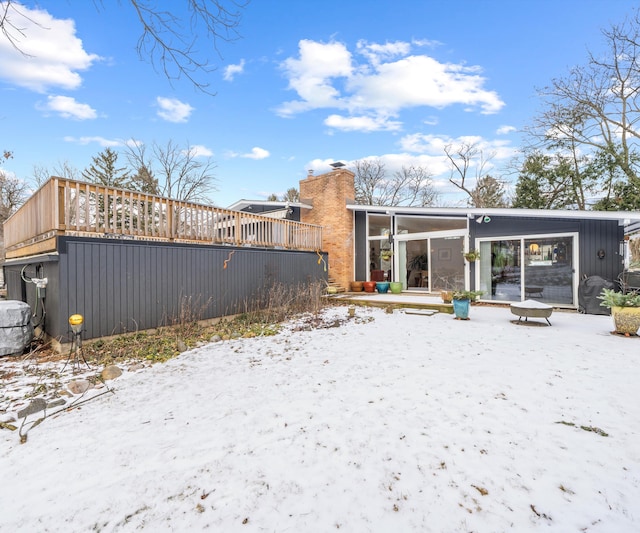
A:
(308, 83)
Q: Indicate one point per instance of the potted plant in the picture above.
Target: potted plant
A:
(386, 254)
(625, 310)
(472, 255)
(462, 301)
(419, 262)
(382, 286)
(395, 287)
(369, 286)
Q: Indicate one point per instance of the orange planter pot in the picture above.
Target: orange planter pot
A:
(369, 286)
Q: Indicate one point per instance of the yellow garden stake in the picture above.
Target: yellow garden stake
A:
(321, 260)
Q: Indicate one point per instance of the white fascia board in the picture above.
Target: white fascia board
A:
(470, 212)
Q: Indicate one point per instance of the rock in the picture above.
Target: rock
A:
(56, 403)
(111, 372)
(78, 386)
(181, 346)
(35, 405)
(215, 338)
(135, 366)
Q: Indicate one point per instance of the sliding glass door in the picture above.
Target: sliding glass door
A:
(548, 269)
(500, 270)
(431, 263)
(538, 268)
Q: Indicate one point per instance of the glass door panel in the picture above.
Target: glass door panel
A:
(548, 269)
(500, 272)
(416, 264)
(447, 263)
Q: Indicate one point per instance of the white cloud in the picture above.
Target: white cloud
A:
(48, 55)
(231, 71)
(428, 151)
(426, 42)
(257, 153)
(95, 139)
(505, 130)
(362, 123)
(199, 150)
(311, 74)
(435, 144)
(67, 107)
(326, 76)
(173, 110)
(377, 52)
(418, 81)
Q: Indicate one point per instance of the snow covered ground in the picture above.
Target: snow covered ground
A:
(387, 423)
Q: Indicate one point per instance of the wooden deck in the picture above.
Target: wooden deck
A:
(74, 208)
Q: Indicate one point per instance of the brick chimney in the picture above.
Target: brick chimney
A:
(329, 194)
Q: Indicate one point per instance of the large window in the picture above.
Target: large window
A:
(422, 252)
(380, 248)
(418, 224)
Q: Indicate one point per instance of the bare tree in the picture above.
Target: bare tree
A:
(172, 172)
(409, 186)
(370, 175)
(62, 169)
(468, 164)
(13, 193)
(166, 40)
(292, 195)
(597, 106)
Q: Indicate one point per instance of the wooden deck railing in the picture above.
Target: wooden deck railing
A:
(68, 207)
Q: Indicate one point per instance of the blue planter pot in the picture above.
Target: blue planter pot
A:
(461, 309)
(382, 286)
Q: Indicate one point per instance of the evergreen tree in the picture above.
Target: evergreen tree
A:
(103, 171)
(488, 192)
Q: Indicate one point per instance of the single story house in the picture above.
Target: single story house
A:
(127, 260)
(523, 253)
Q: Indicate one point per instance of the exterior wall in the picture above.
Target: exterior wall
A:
(123, 285)
(329, 194)
(594, 235)
(360, 260)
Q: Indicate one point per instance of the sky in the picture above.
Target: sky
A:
(305, 84)
(388, 422)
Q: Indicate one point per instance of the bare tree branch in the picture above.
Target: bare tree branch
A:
(597, 106)
(173, 171)
(166, 41)
(463, 158)
(409, 186)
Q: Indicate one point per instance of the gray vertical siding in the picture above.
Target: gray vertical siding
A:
(593, 236)
(599, 235)
(361, 247)
(123, 285)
